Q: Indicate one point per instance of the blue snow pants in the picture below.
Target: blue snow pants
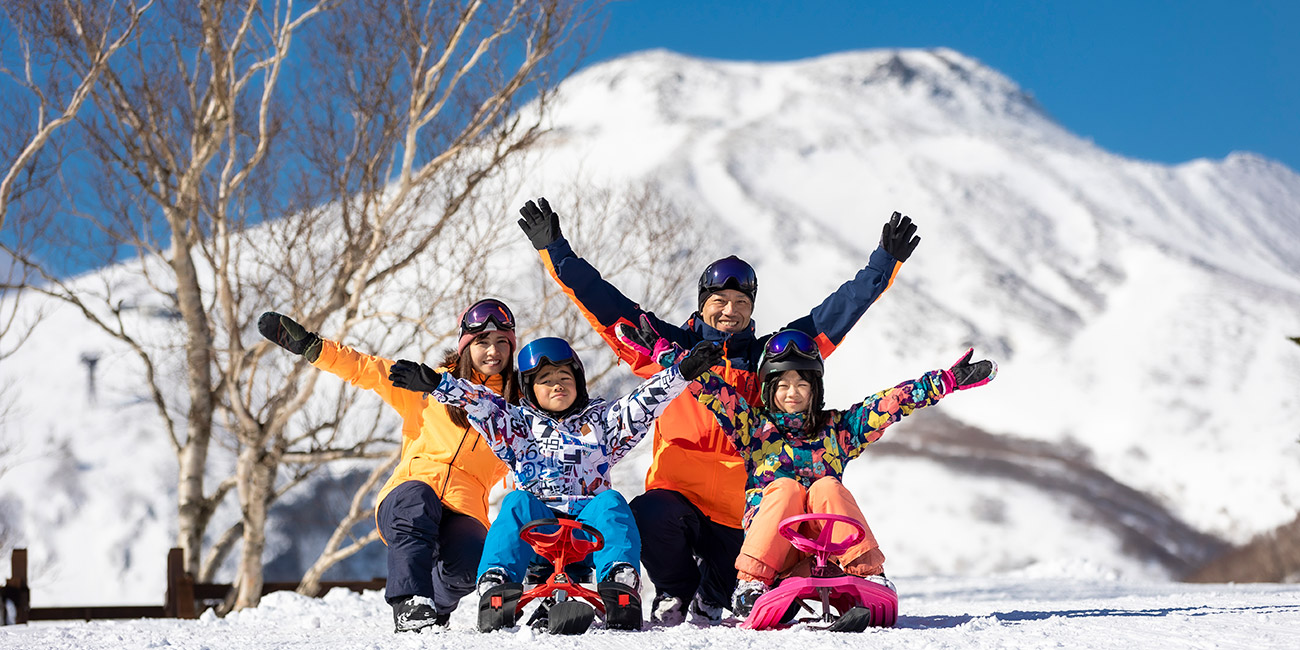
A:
(432, 549)
(607, 512)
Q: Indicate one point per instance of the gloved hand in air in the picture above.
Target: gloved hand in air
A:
(540, 223)
(897, 237)
(964, 374)
(646, 341)
(288, 334)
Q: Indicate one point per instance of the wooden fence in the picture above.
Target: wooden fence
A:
(185, 598)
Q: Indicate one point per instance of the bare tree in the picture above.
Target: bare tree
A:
(312, 159)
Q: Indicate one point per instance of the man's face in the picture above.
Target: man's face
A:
(727, 310)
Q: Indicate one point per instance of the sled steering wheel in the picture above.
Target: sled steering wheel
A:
(562, 547)
(822, 546)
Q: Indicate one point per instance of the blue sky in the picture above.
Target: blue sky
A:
(1161, 80)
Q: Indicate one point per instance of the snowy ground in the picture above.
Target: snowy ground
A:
(1008, 611)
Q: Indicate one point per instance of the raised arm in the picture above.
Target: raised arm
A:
(831, 321)
(602, 304)
(364, 371)
(504, 427)
(866, 421)
(629, 418)
(735, 416)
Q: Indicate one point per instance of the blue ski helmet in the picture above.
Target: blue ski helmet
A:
(557, 352)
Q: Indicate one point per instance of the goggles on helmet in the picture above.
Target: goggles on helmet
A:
(729, 273)
(550, 350)
(790, 342)
(484, 313)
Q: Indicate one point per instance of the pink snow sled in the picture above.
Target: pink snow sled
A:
(857, 603)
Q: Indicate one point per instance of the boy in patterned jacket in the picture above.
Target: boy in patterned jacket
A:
(561, 445)
(795, 451)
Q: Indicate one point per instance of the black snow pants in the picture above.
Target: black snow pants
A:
(433, 550)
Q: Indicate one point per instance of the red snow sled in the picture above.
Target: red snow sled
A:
(567, 606)
(848, 603)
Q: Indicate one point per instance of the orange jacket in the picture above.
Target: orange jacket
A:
(452, 460)
(692, 455)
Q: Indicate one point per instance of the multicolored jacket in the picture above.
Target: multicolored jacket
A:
(451, 459)
(774, 444)
(692, 455)
(563, 462)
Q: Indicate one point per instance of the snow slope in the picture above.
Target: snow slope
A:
(1068, 607)
(1138, 313)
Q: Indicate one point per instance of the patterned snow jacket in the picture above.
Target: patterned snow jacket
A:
(774, 444)
(563, 462)
(691, 454)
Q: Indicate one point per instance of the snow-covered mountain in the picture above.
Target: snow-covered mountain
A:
(1138, 312)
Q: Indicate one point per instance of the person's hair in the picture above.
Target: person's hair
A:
(815, 416)
(462, 366)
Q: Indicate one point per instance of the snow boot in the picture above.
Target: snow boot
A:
(498, 604)
(621, 595)
(746, 594)
(667, 610)
(416, 613)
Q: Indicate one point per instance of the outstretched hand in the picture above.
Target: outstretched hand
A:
(540, 223)
(897, 237)
(288, 334)
(642, 339)
(703, 356)
(964, 374)
(413, 376)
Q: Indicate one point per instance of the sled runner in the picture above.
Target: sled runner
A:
(566, 607)
(847, 603)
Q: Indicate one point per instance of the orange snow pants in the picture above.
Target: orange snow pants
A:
(765, 555)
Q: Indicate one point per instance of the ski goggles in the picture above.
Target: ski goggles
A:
(729, 273)
(486, 312)
(791, 342)
(552, 350)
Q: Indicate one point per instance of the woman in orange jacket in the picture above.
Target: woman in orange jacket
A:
(433, 512)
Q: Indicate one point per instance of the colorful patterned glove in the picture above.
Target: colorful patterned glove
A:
(646, 341)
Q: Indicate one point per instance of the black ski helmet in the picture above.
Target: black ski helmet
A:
(555, 351)
(790, 349)
(727, 273)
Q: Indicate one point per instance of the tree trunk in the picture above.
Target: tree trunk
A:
(255, 472)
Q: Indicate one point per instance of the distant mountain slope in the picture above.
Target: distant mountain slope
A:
(1139, 314)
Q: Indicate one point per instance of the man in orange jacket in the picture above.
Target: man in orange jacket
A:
(690, 515)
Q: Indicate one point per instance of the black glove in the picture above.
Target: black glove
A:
(413, 376)
(703, 356)
(969, 375)
(897, 237)
(288, 334)
(540, 223)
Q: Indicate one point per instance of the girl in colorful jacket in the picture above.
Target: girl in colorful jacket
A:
(561, 444)
(795, 451)
(433, 512)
